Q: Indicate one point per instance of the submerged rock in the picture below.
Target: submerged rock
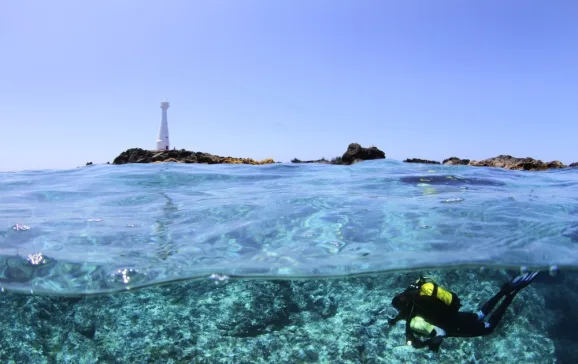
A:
(419, 160)
(249, 317)
(138, 155)
(275, 321)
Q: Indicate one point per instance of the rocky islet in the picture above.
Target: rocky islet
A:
(354, 153)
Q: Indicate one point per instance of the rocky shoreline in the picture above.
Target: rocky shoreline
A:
(419, 160)
(501, 161)
(354, 153)
(138, 155)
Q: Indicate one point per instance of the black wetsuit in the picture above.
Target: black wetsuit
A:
(455, 323)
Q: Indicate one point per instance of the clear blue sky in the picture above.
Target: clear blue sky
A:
(82, 80)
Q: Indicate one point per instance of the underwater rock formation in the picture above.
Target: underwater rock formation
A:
(280, 321)
(419, 160)
(138, 155)
(508, 162)
(573, 165)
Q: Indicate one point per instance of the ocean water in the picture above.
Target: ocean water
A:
(107, 228)
(283, 263)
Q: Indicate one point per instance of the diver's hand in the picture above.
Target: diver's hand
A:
(434, 343)
(393, 316)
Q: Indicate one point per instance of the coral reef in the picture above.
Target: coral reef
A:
(262, 321)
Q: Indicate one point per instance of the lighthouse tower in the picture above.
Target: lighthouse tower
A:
(163, 139)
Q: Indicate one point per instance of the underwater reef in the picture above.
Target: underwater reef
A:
(340, 320)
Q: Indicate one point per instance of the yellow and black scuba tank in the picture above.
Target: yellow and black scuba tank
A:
(427, 287)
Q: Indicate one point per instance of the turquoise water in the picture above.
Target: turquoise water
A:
(108, 228)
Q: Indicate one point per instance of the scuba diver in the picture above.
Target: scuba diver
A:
(431, 311)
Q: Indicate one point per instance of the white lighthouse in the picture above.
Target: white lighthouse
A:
(163, 139)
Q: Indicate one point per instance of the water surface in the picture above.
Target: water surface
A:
(107, 228)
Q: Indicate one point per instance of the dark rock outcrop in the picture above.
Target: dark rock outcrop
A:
(138, 155)
(356, 152)
(455, 161)
(418, 160)
(322, 161)
(573, 165)
(509, 162)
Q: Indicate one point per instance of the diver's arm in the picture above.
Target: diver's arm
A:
(411, 339)
(433, 342)
(394, 320)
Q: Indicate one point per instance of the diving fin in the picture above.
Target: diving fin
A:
(523, 280)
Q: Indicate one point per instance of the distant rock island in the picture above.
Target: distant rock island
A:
(418, 160)
(138, 155)
(501, 161)
(354, 153)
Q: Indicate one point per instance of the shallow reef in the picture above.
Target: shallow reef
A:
(294, 321)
